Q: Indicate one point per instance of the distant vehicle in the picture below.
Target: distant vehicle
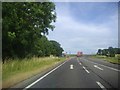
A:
(79, 54)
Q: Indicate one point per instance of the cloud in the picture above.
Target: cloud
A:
(80, 36)
(85, 0)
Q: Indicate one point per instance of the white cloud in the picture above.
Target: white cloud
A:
(87, 37)
(85, 0)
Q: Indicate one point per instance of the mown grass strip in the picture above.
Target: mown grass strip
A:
(15, 71)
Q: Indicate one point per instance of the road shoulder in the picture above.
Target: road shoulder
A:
(31, 79)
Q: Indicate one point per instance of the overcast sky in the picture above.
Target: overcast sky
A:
(86, 26)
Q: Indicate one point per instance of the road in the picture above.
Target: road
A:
(80, 72)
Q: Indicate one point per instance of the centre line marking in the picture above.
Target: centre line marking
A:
(43, 76)
(86, 70)
(101, 86)
(98, 67)
(71, 66)
(80, 63)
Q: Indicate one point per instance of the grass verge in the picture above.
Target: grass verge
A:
(14, 71)
(114, 60)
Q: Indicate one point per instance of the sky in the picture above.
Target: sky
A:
(85, 26)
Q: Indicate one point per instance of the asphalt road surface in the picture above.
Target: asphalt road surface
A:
(80, 72)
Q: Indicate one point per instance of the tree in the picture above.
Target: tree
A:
(43, 47)
(117, 50)
(56, 48)
(22, 24)
(105, 52)
(99, 52)
(111, 51)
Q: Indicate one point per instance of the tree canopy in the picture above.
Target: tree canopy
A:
(109, 52)
(24, 26)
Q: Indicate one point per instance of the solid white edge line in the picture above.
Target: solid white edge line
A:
(98, 67)
(86, 70)
(104, 66)
(44, 76)
(101, 86)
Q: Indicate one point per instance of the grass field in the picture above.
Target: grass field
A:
(14, 71)
(115, 60)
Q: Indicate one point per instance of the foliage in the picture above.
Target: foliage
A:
(99, 52)
(25, 25)
(56, 49)
(109, 52)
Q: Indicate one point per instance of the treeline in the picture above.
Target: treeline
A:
(24, 26)
(110, 52)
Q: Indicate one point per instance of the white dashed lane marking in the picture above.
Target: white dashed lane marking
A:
(71, 66)
(80, 63)
(103, 65)
(101, 86)
(98, 67)
(86, 70)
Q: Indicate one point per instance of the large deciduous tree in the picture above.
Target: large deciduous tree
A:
(111, 51)
(23, 24)
(56, 48)
(99, 52)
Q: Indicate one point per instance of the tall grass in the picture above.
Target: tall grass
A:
(115, 60)
(17, 70)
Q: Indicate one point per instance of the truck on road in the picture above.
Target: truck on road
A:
(79, 54)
